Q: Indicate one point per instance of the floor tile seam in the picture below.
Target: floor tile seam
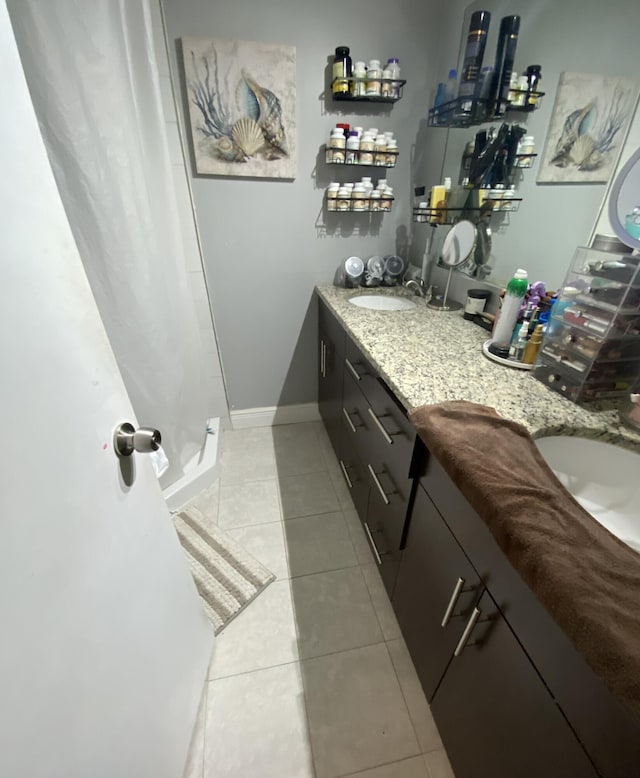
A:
(341, 651)
(375, 610)
(310, 515)
(321, 572)
(381, 764)
(255, 670)
(224, 483)
(247, 526)
(406, 704)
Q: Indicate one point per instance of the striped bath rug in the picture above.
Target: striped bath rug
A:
(226, 576)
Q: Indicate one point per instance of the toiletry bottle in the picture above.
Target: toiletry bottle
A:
(519, 343)
(516, 290)
(341, 73)
(358, 85)
(393, 66)
(473, 55)
(533, 346)
(505, 56)
(452, 80)
(533, 74)
(437, 202)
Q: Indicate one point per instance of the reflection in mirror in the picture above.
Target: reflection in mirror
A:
(552, 219)
(624, 203)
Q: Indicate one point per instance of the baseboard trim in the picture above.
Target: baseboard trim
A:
(274, 415)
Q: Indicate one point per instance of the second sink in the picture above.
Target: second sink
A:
(603, 478)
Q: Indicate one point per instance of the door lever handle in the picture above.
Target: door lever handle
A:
(127, 439)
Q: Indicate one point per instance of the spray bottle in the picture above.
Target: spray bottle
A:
(505, 323)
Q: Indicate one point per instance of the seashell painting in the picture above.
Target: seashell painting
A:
(588, 126)
(242, 107)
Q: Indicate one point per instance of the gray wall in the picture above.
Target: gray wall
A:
(575, 35)
(263, 241)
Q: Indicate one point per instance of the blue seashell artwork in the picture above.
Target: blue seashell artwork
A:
(587, 129)
(242, 107)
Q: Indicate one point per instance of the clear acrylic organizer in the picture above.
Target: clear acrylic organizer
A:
(591, 350)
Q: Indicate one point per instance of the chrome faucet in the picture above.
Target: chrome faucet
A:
(418, 288)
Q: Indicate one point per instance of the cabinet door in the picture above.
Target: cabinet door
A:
(496, 717)
(436, 584)
(330, 366)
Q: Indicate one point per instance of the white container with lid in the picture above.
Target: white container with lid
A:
(332, 196)
(359, 131)
(367, 183)
(375, 197)
(385, 88)
(392, 153)
(359, 198)
(344, 199)
(393, 66)
(382, 184)
(359, 86)
(526, 146)
(353, 147)
(374, 74)
(387, 199)
(337, 139)
(373, 131)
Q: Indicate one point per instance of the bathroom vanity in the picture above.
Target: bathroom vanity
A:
(509, 691)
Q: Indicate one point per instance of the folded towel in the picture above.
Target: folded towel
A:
(588, 580)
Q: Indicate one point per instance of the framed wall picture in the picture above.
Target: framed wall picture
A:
(588, 126)
(242, 107)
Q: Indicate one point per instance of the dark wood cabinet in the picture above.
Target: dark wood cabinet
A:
(518, 701)
(496, 716)
(436, 591)
(331, 341)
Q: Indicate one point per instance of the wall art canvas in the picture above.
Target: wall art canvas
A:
(590, 119)
(242, 107)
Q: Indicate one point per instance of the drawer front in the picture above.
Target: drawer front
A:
(385, 524)
(353, 472)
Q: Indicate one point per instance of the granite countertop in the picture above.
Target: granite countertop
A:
(429, 357)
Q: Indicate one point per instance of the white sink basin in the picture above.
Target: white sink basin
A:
(380, 303)
(603, 478)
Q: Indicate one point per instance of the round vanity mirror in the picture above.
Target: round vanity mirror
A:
(624, 203)
(456, 250)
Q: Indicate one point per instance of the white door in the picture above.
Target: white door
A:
(103, 644)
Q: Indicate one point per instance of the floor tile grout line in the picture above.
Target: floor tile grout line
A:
(381, 764)
(404, 697)
(255, 670)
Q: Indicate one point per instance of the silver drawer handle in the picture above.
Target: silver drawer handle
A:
(457, 589)
(346, 475)
(348, 418)
(374, 548)
(352, 370)
(323, 358)
(467, 631)
(378, 484)
(378, 424)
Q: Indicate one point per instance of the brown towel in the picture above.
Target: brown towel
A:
(587, 579)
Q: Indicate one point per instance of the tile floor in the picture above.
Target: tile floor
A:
(313, 680)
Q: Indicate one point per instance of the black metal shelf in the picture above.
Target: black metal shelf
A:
(348, 97)
(447, 216)
(471, 111)
(331, 158)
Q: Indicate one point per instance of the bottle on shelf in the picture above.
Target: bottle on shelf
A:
(358, 85)
(342, 70)
(533, 75)
(473, 56)
(451, 85)
(508, 314)
(353, 148)
(393, 68)
(505, 56)
(374, 74)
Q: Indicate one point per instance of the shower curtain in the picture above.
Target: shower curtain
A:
(94, 82)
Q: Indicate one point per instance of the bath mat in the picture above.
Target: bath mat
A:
(226, 576)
